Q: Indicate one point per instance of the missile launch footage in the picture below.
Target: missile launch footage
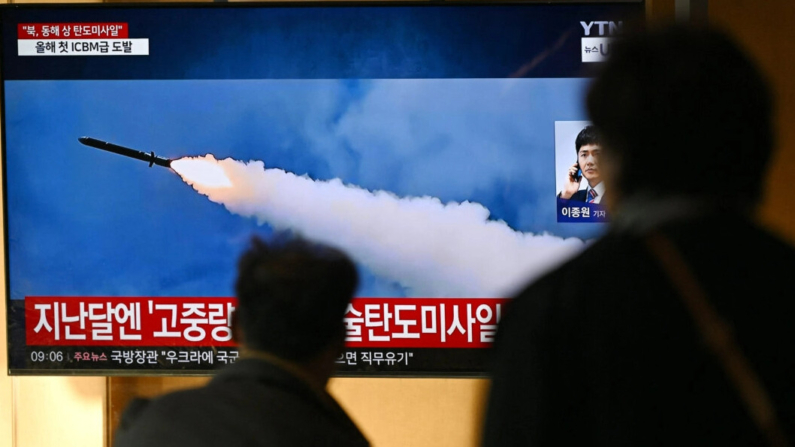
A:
(431, 195)
(399, 238)
(127, 152)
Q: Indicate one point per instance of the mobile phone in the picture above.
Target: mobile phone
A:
(578, 176)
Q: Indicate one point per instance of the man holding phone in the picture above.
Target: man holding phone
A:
(589, 148)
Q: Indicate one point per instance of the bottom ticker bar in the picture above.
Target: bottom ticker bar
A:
(352, 362)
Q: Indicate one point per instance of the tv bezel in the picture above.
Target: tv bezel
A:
(223, 5)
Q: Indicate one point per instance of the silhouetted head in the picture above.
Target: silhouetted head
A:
(292, 297)
(683, 111)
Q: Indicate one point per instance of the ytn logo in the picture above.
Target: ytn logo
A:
(604, 28)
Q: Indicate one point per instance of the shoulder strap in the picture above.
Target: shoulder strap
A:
(719, 339)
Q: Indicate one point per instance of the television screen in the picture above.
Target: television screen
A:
(143, 147)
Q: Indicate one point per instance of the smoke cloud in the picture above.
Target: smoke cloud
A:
(431, 248)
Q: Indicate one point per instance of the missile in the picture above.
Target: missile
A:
(126, 151)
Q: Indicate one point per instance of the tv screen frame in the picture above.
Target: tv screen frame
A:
(448, 357)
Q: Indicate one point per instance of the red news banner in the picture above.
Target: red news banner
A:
(79, 39)
(195, 322)
(72, 31)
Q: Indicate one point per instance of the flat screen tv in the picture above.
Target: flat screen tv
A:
(144, 145)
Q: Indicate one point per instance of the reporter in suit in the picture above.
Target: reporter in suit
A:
(589, 150)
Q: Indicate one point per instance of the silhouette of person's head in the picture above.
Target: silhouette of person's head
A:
(292, 297)
(683, 111)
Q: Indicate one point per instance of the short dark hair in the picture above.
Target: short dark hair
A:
(292, 296)
(587, 136)
(684, 111)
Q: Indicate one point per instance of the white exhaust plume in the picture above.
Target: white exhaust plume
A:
(431, 248)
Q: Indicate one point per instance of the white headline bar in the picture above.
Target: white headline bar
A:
(83, 47)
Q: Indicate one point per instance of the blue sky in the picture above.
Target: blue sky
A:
(86, 222)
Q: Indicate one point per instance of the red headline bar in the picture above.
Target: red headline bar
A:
(72, 31)
(422, 322)
(178, 321)
(99, 321)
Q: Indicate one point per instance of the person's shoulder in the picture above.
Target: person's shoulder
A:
(153, 407)
(734, 237)
(135, 408)
(559, 293)
(590, 261)
(773, 243)
(763, 253)
(158, 420)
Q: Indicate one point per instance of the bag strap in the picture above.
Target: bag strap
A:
(719, 338)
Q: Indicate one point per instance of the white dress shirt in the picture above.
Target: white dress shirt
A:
(600, 191)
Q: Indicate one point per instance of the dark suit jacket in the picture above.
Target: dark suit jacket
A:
(602, 352)
(251, 403)
(581, 196)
